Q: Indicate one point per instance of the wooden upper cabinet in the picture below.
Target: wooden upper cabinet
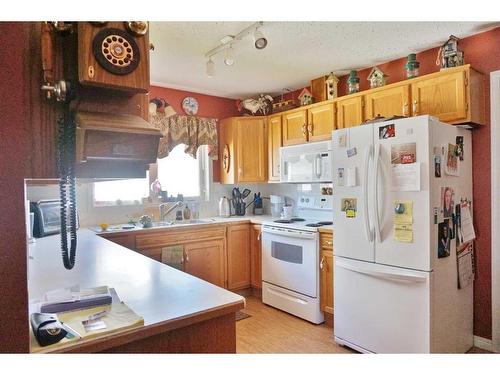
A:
(206, 260)
(443, 96)
(256, 256)
(320, 122)
(294, 127)
(349, 111)
(274, 143)
(238, 256)
(243, 150)
(388, 102)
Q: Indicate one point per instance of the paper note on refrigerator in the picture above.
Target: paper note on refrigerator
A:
(467, 227)
(465, 265)
(403, 232)
(405, 177)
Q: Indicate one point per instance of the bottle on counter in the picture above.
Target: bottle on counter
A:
(187, 213)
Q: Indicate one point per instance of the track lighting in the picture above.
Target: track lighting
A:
(228, 56)
(227, 42)
(260, 41)
(210, 68)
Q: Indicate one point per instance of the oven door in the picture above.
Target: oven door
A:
(290, 259)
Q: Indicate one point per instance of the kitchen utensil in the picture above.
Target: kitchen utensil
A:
(257, 205)
(245, 193)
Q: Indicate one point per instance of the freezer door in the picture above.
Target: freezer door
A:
(391, 249)
(352, 166)
(381, 309)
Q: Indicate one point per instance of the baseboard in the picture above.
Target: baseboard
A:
(482, 343)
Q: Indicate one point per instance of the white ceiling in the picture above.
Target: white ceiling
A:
(296, 52)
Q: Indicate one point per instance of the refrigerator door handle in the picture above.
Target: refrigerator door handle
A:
(392, 276)
(376, 213)
(368, 227)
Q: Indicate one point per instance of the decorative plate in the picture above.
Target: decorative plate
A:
(190, 105)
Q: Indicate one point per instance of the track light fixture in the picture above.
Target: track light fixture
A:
(226, 45)
(228, 56)
(210, 68)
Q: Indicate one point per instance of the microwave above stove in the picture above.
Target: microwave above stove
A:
(307, 163)
(47, 217)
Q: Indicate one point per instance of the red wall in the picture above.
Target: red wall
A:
(209, 106)
(483, 53)
(14, 151)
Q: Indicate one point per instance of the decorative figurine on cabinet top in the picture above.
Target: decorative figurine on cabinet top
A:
(449, 55)
(412, 66)
(353, 82)
(331, 86)
(376, 78)
(305, 97)
(262, 106)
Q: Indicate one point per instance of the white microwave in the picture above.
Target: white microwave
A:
(306, 163)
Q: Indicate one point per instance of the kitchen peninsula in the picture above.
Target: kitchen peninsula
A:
(182, 314)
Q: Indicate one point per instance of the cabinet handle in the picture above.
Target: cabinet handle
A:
(329, 243)
(310, 128)
(185, 257)
(322, 264)
(304, 129)
(259, 236)
(405, 109)
(415, 108)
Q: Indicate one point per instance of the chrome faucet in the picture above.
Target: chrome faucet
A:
(164, 212)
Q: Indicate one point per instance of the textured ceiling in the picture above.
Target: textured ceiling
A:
(296, 52)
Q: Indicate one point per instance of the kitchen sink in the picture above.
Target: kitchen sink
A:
(181, 222)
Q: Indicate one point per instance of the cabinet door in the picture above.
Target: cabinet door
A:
(443, 96)
(388, 102)
(349, 112)
(238, 256)
(294, 127)
(274, 144)
(252, 150)
(320, 122)
(326, 281)
(206, 261)
(256, 256)
(226, 151)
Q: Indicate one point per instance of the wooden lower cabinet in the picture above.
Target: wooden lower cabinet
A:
(326, 275)
(238, 256)
(206, 260)
(256, 256)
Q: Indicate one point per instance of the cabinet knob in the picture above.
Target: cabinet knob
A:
(405, 109)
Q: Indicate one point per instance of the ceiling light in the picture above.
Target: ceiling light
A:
(228, 56)
(210, 68)
(260, 41)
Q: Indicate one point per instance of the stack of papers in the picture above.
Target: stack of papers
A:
(74, 298)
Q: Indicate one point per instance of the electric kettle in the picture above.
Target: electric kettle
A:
(224, 207)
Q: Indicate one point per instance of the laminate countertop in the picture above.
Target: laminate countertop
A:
(165, 297)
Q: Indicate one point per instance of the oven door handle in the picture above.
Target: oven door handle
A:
(286, 233)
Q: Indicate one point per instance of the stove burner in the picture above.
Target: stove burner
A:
(314, 225)
(325, 222)
(283, 221)
(297, 219)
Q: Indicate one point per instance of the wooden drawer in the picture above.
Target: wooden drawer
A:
(177, 236)
(326, 241)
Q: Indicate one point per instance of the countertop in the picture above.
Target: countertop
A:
(165, 297)
(254, 219)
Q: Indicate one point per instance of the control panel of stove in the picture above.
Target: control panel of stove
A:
(316, 202)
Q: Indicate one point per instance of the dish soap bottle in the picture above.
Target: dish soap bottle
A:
(224, 207)
(187, 213)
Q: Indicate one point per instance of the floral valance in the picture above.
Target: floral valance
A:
(190, 130)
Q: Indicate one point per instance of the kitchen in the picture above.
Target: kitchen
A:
(287, 166)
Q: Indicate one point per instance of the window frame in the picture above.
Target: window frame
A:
(205, 174)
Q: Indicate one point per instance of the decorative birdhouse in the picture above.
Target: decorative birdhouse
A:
(451, 56)
(331, 86)
(305, 97)
(376, 78)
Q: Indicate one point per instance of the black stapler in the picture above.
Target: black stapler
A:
(48, 329)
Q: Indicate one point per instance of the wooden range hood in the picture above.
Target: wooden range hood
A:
(114, 145)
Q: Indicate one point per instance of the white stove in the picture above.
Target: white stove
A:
(290, 259)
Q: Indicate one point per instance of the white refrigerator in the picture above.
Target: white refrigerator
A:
(392, 294)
